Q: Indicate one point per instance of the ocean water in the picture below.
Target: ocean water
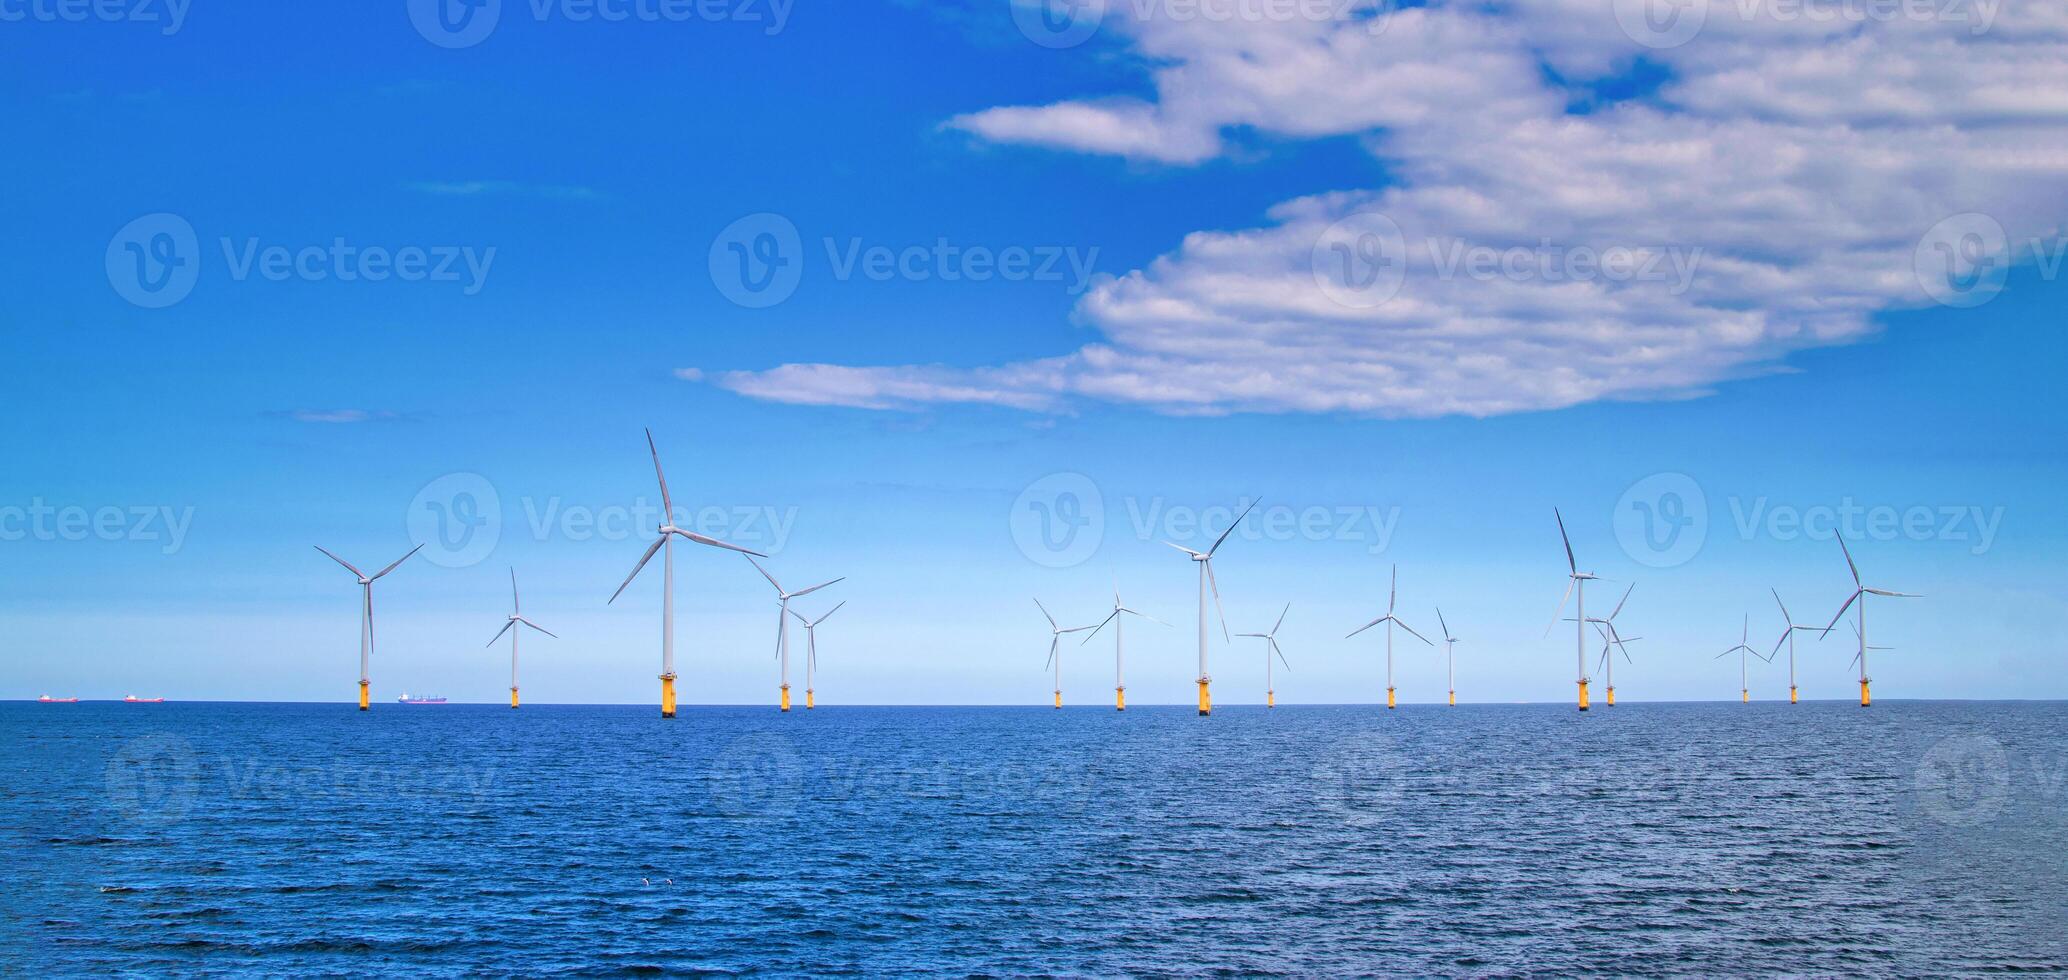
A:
(1712, 839)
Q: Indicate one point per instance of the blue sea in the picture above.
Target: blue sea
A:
(1712, 839)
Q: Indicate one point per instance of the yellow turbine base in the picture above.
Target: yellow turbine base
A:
(1206, 701)
(1865, 698)
(1453, 699)
(1745, 696)
(1270, 699)
(786, 697)
(1612, 696)
(362, 696)
(1059, 699)
(1389, 697)
(1120, 699)
(1792, 699)
(513, 697)
(1583, 695)
(808, 705)
(667, 695)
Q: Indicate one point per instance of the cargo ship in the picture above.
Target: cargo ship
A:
(406, 699)
(47, 699)
(133, 699)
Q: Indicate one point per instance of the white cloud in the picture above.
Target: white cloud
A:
(1783, 180)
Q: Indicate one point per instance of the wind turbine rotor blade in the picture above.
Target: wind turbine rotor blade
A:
(1411, 631)
(1894, 595)
(1185, 549)
(1444, 625)
(1366, 626)
(1102, 625)
(715, 543)
(829, 612)
(667, 505)
(643, 559)
(516, 603)
(536, 626)
(817, 587)
(393, 564)
(1624, 599)
(800, 618)
(1855, 597)
(1281, 653)
(1849, 664)
(1848, 552)
(1570, 584)
(764, 574)
(1260, 636)
(499, 633)
(1785, 617)
(1393, 590)
(1570, 565)
(1231, 528)
(1053, 642)
(1281, 619)
(1044, 613)
(341, 561)
(1223, 613)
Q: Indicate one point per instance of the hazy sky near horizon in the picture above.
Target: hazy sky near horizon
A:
(972, 306)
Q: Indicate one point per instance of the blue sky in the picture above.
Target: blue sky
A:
(600, 162)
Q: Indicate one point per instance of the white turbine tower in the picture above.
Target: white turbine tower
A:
(510, 627)
(366, 614)
(1206, 581)
(666, 544)
(1577, 585)
(1859, 593)
(783, 624)
(1744, 664)
(1450, 660)
(1055, 640)
(811, 648)
(1119, 647)
(1390, 620)
(1271, 647)
(1788, 632)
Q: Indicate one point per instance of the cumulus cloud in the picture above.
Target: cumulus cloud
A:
(1785, 180)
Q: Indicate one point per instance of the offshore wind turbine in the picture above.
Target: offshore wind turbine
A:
(666, 545)
(510, 627)
(1055, 640)
(1788, 632)
(1859, 595)
(1119, 649)
(1450, 660)
(1206, 580)
(1390, 620)
(1744, 665)
(783, 623)
(1608, 663)
(811, 647)
(1271, 647)
(366, 614)
(1577, 585)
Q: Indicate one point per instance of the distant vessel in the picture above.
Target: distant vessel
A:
(47, 699)
(133, 699)
(406, 699)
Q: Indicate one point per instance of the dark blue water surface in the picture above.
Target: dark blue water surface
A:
(1715, 839)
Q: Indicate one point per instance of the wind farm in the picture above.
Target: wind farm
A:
(1119, 646)
(783, 624)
